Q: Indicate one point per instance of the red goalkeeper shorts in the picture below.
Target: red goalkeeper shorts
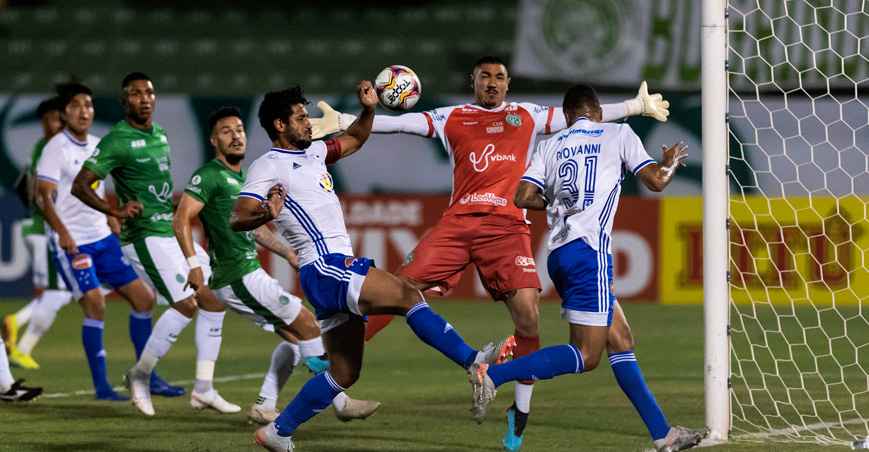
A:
(500, 248)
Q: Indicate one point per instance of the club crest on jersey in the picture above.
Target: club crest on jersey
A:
(326, 182)
(514, 120)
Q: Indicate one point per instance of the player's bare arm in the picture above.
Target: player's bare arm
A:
(188, 208)
(46, 193)
(356, 135)
(82, 188)
(267, 239)
(657, 176)
(528, 196)
(249, 213)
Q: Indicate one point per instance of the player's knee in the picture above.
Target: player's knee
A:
(590, 360)
(621, 341)
(305, 326)
(186, 307)
(410, 295)
(93, 305)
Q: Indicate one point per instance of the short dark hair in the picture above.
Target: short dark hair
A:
(132, 77)
(47, 105)
(279, 105)
(66, 91)
(220, 113)
(580, 96)
(488, 59)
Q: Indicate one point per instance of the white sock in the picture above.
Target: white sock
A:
(164, 334)
(522, 397)
(209, 335)
(6, 379)
(22, 316)
(285, 357)
(204, 376)
(312, 347)
(340, 401)
(42, 317)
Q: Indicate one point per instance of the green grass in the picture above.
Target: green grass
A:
(425, 397)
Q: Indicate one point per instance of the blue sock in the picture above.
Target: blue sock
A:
(140, 330)
(631, 380)
(437, 333)
(541, 365)
(315, 396)
(92, 338)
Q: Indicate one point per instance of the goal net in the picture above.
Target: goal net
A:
(798, 125)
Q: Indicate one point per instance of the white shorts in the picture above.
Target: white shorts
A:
(44, 271)
(160, 262)
(261, 298)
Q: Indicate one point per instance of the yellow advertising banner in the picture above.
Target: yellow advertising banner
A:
(801, 250)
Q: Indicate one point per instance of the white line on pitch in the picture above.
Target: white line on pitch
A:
(797, 430)
(84, 392)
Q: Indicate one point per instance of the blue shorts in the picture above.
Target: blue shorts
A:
(583, 278)
(332, 285)
(96, 263)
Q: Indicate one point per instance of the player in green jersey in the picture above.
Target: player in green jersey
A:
(49, 292)
(237, 278)
(136, 154)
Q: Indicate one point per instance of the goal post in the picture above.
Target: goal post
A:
(785, 133)
(716, 301)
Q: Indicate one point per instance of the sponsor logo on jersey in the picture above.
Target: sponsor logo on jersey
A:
(326, 182)
(514, 120)
(163, 164)
(525, 261)
(481, 162)
(136, 144)
(496, 127)
(483, 198)
(82, 262)
(144, 160)
(584, 132)
(231, 181)
(165, 194)
(160, 217)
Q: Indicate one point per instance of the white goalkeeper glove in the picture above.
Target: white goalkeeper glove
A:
(331, 122)
(652, 105)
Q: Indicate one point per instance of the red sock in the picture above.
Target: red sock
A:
(375, 324)
(525, 346)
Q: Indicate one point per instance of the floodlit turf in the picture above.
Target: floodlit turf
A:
(425, 397)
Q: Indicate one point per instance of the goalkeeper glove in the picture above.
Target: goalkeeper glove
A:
(331, 122)
(652, 105)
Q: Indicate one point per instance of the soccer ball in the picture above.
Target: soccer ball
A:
(398, 87)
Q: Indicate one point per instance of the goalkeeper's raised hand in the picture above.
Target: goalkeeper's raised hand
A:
(331, 122)
(652, 105)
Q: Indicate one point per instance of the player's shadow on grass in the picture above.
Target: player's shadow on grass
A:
(26, 446)
(410, 443)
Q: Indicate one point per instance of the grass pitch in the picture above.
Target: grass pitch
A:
(425, 397)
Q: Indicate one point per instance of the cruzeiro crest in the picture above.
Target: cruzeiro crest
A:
(583, 36)
(326, 182)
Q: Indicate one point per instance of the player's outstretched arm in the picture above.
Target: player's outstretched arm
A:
(334, 121)
(356, 135)
(251, 213)
(657, 176)
(188, 208)
(267, 239)
(528, 196)
(82, 188)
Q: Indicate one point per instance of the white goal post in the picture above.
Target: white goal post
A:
(785, 133)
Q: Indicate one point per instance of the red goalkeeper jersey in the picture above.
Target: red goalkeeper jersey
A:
(489, 150)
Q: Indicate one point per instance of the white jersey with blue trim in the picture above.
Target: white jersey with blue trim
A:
(312, 219)
(580, 171)
(61, 160)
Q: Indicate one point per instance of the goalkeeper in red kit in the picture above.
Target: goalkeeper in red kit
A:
(489, 142)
